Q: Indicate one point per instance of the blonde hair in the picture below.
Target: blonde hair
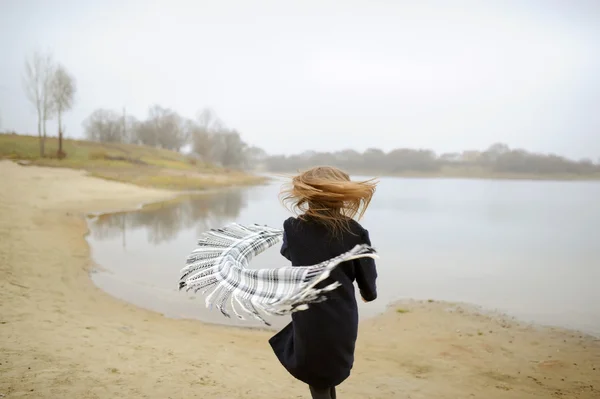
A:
(326, 194)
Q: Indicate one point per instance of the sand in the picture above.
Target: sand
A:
(62, 337)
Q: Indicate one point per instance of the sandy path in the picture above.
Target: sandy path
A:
(61, 337)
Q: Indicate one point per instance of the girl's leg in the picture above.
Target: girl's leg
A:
(317, 393)
(333, 393)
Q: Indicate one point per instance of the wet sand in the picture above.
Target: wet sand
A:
(62, 337)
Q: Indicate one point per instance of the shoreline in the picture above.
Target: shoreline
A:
(61, 336)
(176, 196)
(475, 176)
(494, 314)
(179, 196)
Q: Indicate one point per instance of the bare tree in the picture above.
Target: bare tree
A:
(164, 128)
(62, 95)
(205, 118)
(209, 120)
(212, 141)
(202, 144)
(146, 134)
(105, 126)
(36, 81)
(48, 109)
(130, 127)
(228, 149)
(255, 157)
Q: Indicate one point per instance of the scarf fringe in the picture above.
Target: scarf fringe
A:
(219, 266)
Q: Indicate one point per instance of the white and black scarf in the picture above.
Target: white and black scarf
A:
(219, 265)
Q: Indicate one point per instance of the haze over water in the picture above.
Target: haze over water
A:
(520, 247)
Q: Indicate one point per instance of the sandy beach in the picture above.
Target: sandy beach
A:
(62, 337)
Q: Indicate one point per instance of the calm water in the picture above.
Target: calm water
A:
(531, 249)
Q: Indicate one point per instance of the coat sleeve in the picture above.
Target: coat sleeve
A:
(284, 246)
(366, 274)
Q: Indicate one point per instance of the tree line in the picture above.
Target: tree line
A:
(51, 89)
(498, 158)
(206, 136)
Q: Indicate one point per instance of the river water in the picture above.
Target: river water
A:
(527, 248)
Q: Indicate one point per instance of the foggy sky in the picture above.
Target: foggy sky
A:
(326, 75)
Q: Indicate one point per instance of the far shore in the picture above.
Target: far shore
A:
(466, 174)
(62, 337)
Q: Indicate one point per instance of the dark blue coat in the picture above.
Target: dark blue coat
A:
(317, 347)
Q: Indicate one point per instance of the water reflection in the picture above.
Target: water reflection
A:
(142, 252)
(526, 249)
(163, 221)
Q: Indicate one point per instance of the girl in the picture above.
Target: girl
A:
(317, 347)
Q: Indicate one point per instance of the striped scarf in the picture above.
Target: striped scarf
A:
(218, 268)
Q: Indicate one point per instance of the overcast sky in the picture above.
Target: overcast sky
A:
(326, 75)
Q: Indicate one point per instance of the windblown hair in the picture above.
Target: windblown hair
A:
(327, 195)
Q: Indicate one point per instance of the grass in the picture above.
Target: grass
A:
(402, 310)
(140, 165)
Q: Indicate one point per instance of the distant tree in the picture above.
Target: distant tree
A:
(323, 158)
(209, 120)
(409, 160)
(450, 157)
(499, 158)
(62, 92)
(229, 149)
(146, 134)
(307, 154)
(213, 142)
(498, 148)
(348, 159)
(36, 82)
(105, 126)
(255, 155)
(373, 160)
(163, 128)
(586, 165)
(201, 140)
(130, 126)
(48, 105)
(470, 156)
(494, 152)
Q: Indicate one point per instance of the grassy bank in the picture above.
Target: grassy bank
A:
(140, 165)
